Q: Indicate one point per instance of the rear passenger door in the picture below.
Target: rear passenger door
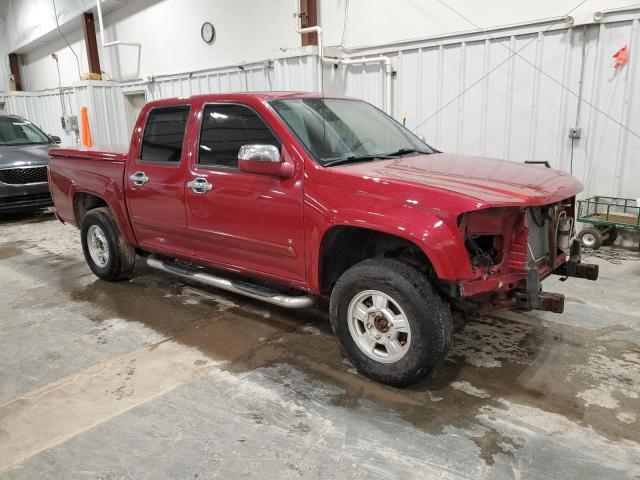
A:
(155, 182)
(243, 221)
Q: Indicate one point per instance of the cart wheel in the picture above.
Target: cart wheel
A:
(611, 238)
(591, 238)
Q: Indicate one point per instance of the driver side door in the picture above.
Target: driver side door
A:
(245, 221)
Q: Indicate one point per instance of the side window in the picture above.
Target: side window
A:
(225, 128)
(164, 134)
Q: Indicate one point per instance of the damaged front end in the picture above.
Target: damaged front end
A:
(512, 249)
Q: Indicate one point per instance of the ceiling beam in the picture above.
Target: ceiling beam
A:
(309, 18)
(91, 43)
(14, 65)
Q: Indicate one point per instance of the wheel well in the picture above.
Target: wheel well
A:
(343, 247)
(83, 202)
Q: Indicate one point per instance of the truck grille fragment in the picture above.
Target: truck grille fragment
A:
(538, 240)
(23, 175)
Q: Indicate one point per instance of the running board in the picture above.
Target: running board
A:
(242, 288)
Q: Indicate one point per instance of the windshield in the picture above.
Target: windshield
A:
(17, 131)
(352, 130)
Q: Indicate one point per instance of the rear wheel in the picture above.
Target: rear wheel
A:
(107, 254)
(392, 325)
(611, 235)
(591, 238)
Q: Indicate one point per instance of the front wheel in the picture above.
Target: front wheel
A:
(391, 324)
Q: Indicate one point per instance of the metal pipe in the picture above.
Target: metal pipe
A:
(388, 75)
(248, 290)
(345, 61)
(110, 44)
(318, 31)
(580, 88)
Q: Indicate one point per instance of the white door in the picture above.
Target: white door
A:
(134, 102)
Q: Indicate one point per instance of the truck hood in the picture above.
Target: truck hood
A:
(496, 182)
(17, 155)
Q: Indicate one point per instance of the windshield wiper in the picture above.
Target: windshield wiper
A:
(354, 158)
(365, 158)
(22, 144)
(404, 151)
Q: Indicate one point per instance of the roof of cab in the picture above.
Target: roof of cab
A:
(236, 95)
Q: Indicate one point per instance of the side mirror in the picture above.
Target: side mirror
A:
(55, 139)
(263, 160)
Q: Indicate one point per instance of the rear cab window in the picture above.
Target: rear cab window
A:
(164, 132)
(226, 128)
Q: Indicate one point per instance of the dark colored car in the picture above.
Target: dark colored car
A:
(24, 156)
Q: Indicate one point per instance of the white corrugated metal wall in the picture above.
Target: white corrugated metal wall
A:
(105, 107)
(524, 108)
(43, 108)
(517, 107)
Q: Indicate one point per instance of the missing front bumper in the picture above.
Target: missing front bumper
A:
(545, 301)
(533, 298)
(574, 268)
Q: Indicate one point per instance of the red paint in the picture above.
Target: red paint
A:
(111, 153)
(272, 226)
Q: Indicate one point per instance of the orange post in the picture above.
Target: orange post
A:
(85, 131)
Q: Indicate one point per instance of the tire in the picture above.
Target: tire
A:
(591, 238)
(104, 248)
(413, 352)
(611, 238)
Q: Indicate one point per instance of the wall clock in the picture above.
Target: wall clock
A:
(208, 32)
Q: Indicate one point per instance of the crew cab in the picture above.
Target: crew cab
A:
(291, 197)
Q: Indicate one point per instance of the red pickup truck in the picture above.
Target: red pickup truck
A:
(290, 197)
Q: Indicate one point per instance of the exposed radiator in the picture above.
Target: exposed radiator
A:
(538, 241)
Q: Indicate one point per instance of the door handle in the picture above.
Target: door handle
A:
(139, 178)
(200, 185)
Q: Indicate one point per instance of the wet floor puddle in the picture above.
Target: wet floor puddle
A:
(556, 368)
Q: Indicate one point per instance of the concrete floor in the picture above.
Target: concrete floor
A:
(156, 379)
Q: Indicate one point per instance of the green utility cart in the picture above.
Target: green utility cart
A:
(606, 215)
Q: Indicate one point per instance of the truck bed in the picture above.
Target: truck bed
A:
(116, 153)
(97, 171)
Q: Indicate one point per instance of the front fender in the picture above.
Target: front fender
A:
(436, 237)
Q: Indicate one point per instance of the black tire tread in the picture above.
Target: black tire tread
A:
(416, 283)
(124, 259)
(596, 233)
(611, 238)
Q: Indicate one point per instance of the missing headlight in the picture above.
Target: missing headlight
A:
(484, 251)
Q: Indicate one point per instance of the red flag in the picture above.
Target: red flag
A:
(621, 56)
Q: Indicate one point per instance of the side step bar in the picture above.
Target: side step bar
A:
(242, 288)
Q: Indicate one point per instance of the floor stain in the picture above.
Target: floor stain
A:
(492, 443)
(523, 359)
(300, 429)
(9, 249)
